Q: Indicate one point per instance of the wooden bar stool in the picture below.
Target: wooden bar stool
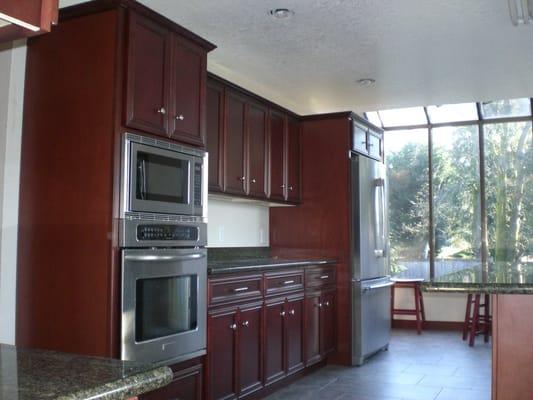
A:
(476, 322)
(418, 311)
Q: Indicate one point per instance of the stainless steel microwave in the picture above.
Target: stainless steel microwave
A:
(162, 177)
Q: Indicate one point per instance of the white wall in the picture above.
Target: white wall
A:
(449, 307)
(12, 70)
(237, 224)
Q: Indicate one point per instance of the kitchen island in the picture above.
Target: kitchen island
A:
(512, 322)
(40, 374)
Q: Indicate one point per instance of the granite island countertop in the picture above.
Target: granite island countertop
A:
(500, 279)
(237, 260)
(27, 374)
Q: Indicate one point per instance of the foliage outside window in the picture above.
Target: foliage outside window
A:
(440, 167)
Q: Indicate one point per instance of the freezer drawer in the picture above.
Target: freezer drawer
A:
(371, 318)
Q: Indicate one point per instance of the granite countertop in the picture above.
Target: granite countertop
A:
(232, 260)
(502, 278)
(39, 374)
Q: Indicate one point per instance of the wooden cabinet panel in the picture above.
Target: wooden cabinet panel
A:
(312, 328)
(186, 385)
(215, 134)
(274, 340)
(327, 323)
(250, 351)
(374, 145)
(257, 161)
(277, 156)
(234, 163)
(318, 277)
(294, 335)
(221, 329)
(234, 289)
(189, 80)
(293, 156)
(147, 102)
(283, 282)
(359, 139)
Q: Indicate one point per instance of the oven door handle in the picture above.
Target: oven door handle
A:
(130, 257)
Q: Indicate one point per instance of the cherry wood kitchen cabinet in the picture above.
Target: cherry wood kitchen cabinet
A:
(41, 14)
(234, 144)
(260, 143)
(103, 59)
(258, 326)
(278, 162)
(366, 138)
(215, 134)
(186, 385)
(166, 81)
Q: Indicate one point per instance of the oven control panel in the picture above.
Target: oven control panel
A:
(151, 232)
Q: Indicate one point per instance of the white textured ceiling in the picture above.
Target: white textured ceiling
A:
(420, 52)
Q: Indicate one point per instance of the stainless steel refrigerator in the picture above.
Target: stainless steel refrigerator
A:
(371, 281)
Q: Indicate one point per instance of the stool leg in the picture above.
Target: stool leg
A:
(417, 310)
(475, 320)
(487, 317)
(467, 316)
(392, 303)
(421, 303)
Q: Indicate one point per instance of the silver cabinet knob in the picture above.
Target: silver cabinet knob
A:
(319, 305)
(326, 303)
(241, 178)
(233, 327)
(282, 186)
(283, 313)
(253, 180)
(290, 188)
(246, 324)
(180, 117)
(292, 312)
(162, 110)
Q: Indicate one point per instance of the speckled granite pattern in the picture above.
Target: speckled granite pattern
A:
(503, 279)
(41, 375)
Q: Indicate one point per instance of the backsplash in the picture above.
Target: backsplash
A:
(237, 224)
(220, 254)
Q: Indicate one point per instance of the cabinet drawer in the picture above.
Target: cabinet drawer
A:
(282, 282)
(320, 276)
(229, 290)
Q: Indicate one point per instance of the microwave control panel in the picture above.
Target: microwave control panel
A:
(166, 232)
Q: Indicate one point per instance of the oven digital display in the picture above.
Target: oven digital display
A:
(167, 232)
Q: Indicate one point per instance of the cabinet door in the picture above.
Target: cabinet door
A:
(294, 324)
(222, 349)
(215, 134)
(359, 140)
(374, 145)
(147, 102)
(234, 178)
(257, 161)
(250, 352)
(293, 146)
(312, 328)
(274, 338)
(186, 385)
(277, 156)
(189, 73)
(328, 323)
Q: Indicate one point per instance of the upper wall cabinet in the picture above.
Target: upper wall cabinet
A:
(254, 147)
(366, 138)
(166, 82)
(22, 19)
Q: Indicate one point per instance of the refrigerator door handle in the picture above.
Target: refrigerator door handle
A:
(379, 217)
(381, 286)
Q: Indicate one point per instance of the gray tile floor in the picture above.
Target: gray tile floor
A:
(432, 366)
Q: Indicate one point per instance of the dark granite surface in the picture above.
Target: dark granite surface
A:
(249, 259)
(498, 278)
(41, 375)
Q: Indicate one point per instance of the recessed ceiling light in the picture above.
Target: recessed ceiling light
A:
(366, 82)
(281, 13)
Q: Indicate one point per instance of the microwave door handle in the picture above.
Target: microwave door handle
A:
(164, 258)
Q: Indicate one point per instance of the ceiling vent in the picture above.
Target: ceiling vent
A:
(521, 11)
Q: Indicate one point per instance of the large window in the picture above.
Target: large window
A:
(454, 205)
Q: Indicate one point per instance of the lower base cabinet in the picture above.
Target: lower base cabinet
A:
(186, 385)
(268, 328)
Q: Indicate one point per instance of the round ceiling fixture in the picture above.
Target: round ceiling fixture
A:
(281, 13)
(366, 82)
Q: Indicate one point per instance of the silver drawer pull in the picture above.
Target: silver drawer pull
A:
(324, 277)
(240, 289)
(288, 282)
